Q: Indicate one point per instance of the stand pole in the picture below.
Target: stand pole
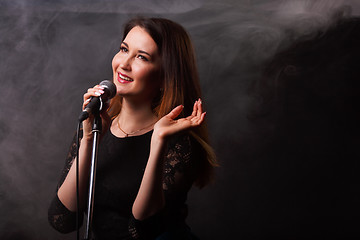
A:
(96, 132)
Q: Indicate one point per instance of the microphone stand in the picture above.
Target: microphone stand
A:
(97, 128)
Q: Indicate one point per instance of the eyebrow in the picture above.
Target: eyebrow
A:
(140, 51)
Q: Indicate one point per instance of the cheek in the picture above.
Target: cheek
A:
(141, 72)
(148, 71)
(115, 62)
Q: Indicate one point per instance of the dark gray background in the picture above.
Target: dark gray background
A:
(52, 51)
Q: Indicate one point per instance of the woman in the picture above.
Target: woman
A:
(153, 145)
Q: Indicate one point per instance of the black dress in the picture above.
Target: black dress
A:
(120, 167)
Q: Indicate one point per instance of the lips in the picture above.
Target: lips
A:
(122, 78)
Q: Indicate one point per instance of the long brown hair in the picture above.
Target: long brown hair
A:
(180, 81)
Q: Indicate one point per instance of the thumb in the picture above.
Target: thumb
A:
(175, 112)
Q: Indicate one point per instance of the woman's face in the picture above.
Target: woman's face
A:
(136, 66)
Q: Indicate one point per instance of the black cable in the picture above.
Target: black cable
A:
(77, 182)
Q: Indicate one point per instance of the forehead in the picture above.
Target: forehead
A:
(141, 40)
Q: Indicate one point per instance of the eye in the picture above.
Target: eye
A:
(123, 49)
(142, 57)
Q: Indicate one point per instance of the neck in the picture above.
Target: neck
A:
(135, 116)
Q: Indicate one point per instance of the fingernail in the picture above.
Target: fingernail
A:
(97, 93)
(88, 100)
(101, 91)
(200, 101)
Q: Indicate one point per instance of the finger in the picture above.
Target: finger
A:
(202, 117)
(87, 98)
(199, 108)
(194, 109)
(95, 91)
(86, 102)
(92, 92)
(175, 112)
(98, 90)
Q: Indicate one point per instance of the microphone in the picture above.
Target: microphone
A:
(96, 104)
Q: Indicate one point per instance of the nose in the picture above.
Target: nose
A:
(126, 63)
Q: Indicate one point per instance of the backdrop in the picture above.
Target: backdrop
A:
(280, 85)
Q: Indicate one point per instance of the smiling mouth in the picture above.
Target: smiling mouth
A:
(125, 78)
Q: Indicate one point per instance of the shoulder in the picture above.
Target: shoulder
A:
(182, 149)
(183, 142)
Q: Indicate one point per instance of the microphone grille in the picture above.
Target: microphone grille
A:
(110, 86)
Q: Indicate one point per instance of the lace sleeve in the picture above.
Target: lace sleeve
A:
(59, 217)
(180, 170)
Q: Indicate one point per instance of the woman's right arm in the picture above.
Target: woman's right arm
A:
(61, 215)
(63, 207)
(67, 191)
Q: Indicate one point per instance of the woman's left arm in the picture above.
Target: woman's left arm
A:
(150, 198)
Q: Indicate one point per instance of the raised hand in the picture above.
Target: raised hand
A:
(168, 126)
(96, 91)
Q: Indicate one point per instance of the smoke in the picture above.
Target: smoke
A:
(107, 6)
(51, 52)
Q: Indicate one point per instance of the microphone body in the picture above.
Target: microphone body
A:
(96, 104)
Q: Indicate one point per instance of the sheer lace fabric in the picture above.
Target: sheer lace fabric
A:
(180, 168)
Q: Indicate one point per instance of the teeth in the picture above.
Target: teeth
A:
(125, 78)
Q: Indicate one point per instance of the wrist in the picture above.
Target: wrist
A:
(87, 139)
(157, 141)
(159, 136)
